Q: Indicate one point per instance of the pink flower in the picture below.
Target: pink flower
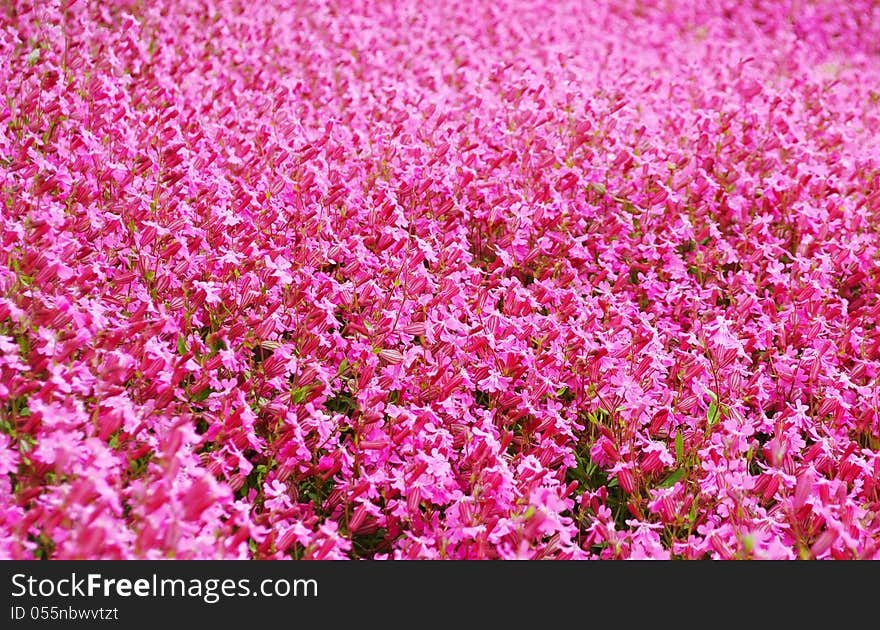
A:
(431, 282)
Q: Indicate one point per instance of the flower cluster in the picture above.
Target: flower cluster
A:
(484, 279)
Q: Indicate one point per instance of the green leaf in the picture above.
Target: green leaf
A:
(692, 515)
(713, 415)
(299, 394)
(679, 447)
(181, 344)
(202, 395)
(672, 479)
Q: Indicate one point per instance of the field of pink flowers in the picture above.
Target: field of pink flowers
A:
(440, 279)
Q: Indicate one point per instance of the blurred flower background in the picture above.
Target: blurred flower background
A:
(409, 279)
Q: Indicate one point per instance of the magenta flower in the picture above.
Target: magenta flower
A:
(568, 280)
